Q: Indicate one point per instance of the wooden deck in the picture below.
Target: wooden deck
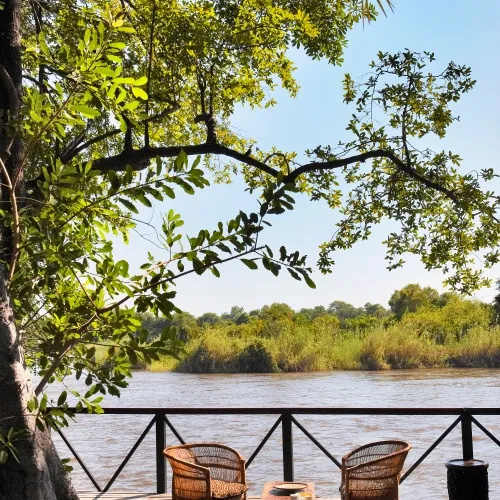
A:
(122, 496)
(143, 496)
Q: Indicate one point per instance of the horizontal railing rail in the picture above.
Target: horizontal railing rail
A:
(287, 420)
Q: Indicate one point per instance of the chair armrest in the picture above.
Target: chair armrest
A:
(184, 475)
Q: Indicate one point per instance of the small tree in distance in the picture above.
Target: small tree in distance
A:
(411, 297)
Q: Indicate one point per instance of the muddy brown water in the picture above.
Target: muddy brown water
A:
(103, 441)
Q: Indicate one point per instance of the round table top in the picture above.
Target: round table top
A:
(467, 464)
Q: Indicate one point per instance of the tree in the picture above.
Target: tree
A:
(276, 312)
(412, 297)
(496, 305)
(313, 313)
(186, 326)
(344, 310)
(377, 310)
(107, 106)
(210, 319)
(447, 297)
(153, 324)
(236, 315)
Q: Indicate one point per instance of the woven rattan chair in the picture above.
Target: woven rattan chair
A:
(205, 471)
(372, 472)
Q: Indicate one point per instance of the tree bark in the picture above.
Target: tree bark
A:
(39, 475)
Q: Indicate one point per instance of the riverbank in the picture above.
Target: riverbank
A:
(301, 349)
(449, 332)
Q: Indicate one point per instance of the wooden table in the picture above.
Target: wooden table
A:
(269, 493)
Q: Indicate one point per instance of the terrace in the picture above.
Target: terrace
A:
(287, 421)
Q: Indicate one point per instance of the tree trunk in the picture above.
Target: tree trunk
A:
(39, 475)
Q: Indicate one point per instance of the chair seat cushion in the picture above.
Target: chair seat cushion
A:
(224, 489)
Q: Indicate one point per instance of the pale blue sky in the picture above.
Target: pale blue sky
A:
(455, 30)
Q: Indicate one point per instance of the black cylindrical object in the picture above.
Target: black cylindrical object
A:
(467, 479)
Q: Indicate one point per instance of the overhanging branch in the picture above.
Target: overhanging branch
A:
(139, 159)
(361, 158)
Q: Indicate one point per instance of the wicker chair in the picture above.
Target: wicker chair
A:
(372, 472)
(205, 471)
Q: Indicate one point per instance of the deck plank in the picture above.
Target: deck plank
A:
(127, 495)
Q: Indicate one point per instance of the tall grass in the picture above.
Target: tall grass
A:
(298, 350)
(457, 335)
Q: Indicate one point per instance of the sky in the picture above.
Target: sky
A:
(459, 30)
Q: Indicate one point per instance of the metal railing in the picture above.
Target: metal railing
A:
(286, 418)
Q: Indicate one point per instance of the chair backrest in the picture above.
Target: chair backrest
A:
(380, 460)
(222, 462)
(183, 452)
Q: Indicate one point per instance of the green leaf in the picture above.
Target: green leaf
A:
(43, 44)
(126, 80)
(141, 81)
(131, 106)
(249, 263)
(87, 111)
(62, 398)
(105, 71)
(126, 29)
(115, 59)
(144, 200)
(309, 281)
(139, 93)
(86, 37)
(129, 205)
(181, 160)
(36, 116)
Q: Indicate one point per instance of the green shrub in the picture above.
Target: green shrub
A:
(255, 358)
(480, 349)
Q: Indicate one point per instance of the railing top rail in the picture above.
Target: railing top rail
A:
(301, 410)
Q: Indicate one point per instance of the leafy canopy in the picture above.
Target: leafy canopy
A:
(116, 97)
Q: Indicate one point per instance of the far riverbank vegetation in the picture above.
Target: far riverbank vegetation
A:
(421, 329)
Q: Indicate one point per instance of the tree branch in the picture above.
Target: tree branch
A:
(361, 158)
(139, 159)
(15, 218)
(75, 148)
(57, 361)
(173, 278)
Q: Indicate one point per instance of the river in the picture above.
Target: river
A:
(103, 441)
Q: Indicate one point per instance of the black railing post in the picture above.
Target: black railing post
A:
(286, 428)
(161, 466)
(467, 446)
